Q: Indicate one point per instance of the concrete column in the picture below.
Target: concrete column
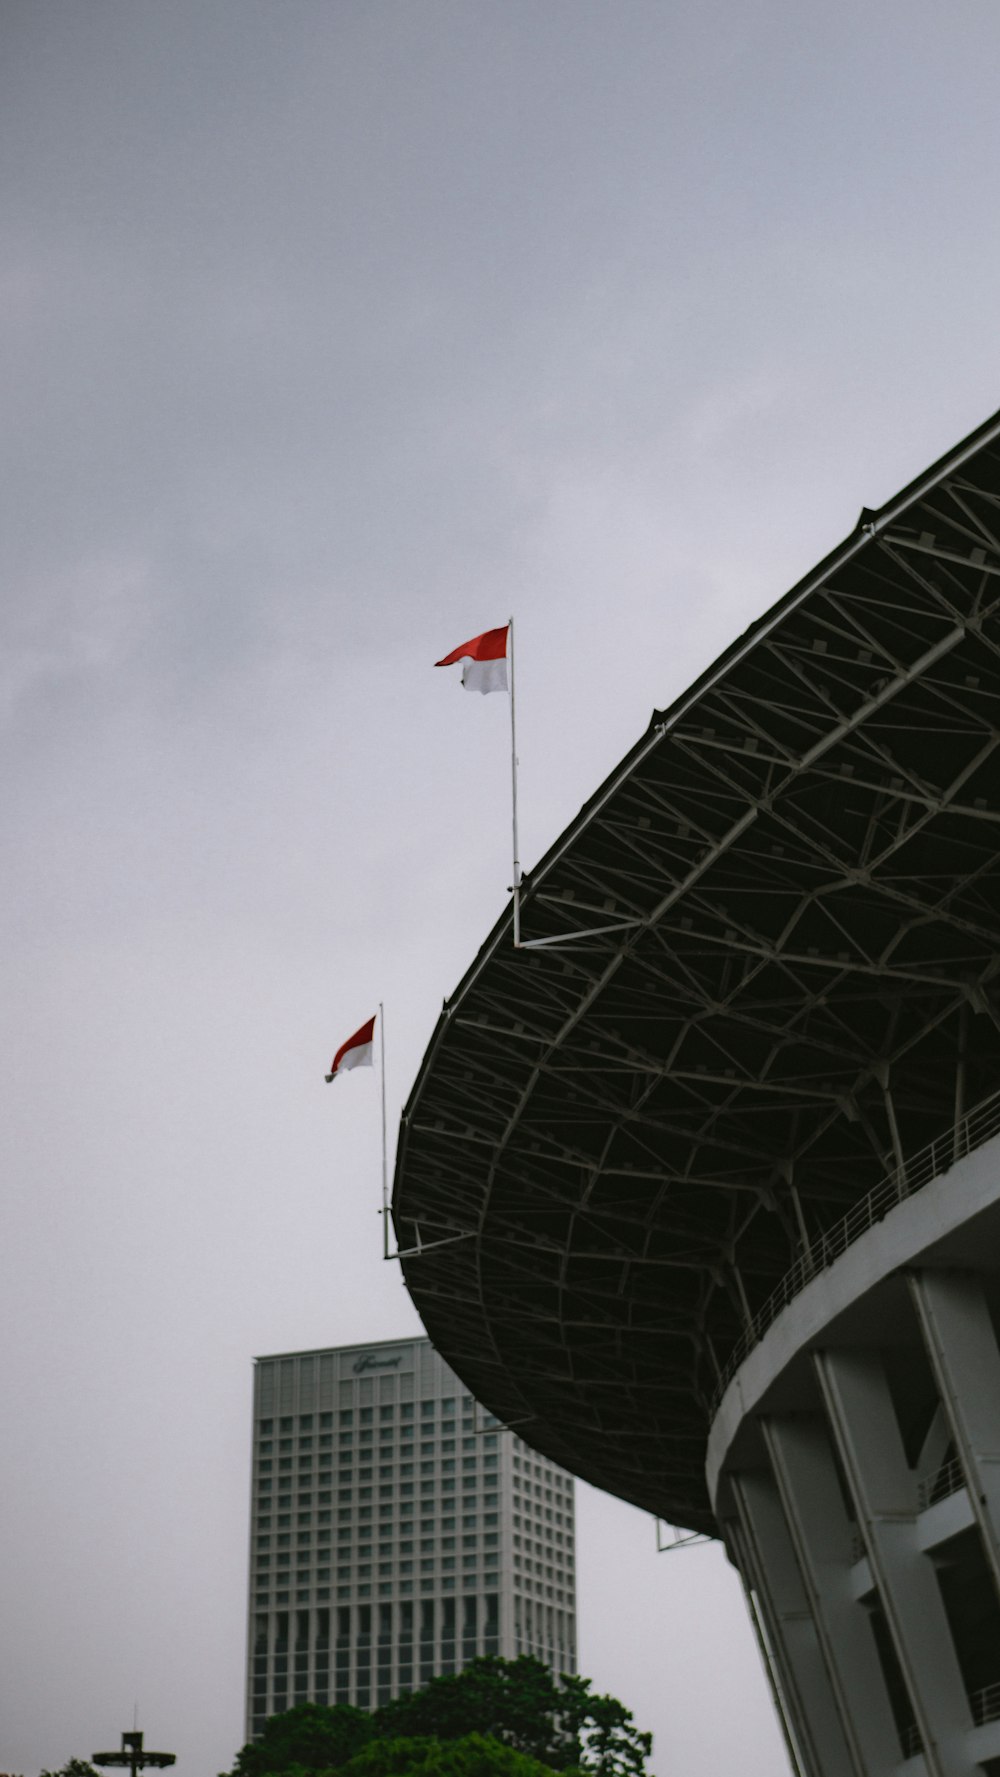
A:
(805, 1684)
(820, 1530)
(883, 1488)
(739, 1550)
(958, 1332)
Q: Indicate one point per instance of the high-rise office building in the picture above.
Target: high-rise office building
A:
(397, 1531)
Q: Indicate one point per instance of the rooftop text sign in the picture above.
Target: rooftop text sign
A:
(377, 1360)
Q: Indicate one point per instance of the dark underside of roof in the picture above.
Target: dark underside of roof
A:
(634, 1132)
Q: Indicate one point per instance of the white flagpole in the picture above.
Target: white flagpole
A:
(385, 1150)
(513, 786)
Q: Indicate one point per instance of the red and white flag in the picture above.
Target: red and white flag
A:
(356, 1052)
(483, 660)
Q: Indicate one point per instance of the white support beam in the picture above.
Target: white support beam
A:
(819, 1529)
(794, 1728)
(884, 1491)
(958, 1331)
(815, 1711)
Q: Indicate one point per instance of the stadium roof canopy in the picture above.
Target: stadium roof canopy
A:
(787, 977)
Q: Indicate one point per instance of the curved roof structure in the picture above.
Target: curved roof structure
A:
(760, 966)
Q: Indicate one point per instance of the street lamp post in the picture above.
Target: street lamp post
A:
(134, 1755)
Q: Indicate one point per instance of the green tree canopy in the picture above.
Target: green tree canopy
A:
(309, 1738)
(74, 1767)
(515, 1701)
(473, 1755)
(556, 1720)
(518, 1706)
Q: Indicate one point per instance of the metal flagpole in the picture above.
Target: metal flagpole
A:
(513, 787)
(385, 1151)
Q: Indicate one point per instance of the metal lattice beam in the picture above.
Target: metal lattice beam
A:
(767, 965)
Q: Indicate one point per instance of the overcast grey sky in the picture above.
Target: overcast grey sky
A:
(332, 333)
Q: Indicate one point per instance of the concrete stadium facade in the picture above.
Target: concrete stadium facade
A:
(699, 1187)
(854, 1469)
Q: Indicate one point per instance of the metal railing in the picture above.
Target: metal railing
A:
(948, 1479)
(971, 1131)
(986, 1704)
(910, 1741)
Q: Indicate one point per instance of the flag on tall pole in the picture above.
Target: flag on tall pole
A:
(358, 1051)
(484, 662)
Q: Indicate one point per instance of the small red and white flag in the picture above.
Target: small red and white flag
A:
(483, 661)
(356, 1052)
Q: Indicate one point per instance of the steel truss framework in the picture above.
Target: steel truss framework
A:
(797, 983)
